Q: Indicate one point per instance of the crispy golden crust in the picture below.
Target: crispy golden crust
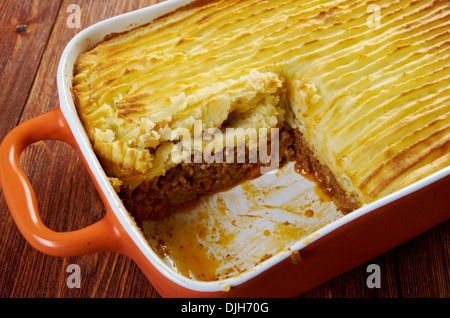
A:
(370, 96)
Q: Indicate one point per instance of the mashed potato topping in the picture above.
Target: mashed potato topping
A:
(371, 99)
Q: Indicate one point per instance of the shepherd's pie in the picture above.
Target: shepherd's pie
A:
(358, 90)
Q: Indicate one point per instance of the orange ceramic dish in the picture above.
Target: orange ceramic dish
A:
(333, 249)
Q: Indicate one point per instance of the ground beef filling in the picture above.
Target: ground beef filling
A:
(181, 187)
(307, 163)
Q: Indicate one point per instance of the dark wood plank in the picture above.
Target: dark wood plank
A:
(68, 200)
(424, 265)
(25, 28)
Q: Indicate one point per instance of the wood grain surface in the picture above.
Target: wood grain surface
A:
(34, 34)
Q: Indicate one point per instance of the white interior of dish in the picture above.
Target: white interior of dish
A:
(85, 40)
(229, 232)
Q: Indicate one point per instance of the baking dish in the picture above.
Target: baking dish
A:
(335, 248)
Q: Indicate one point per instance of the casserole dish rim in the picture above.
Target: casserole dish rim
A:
(93, 34)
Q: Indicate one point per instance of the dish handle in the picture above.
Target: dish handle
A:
(21, 199)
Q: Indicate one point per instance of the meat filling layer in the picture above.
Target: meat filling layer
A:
(182, 186)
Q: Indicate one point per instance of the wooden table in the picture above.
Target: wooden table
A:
(33, 36)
